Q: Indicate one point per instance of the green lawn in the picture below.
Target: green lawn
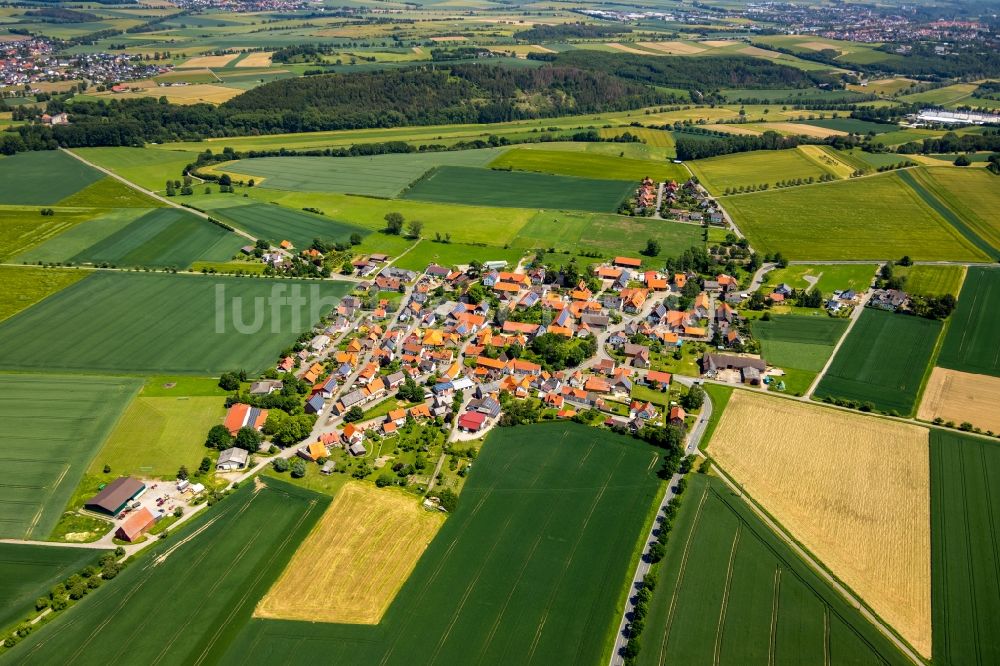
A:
(375, 175)
(53, 427)
(882, 361)
(28, 572)
(185, 600)
(876, 217)
(527, 570)
(276, 223)
(159, 323)
(971, 342)
(27, 285)
(754, 168)
(485, 187)
(454, 254)
(588, 165)
(610, 235)
(828, 278)
(731, 592)
(965, 549)
(43, 177)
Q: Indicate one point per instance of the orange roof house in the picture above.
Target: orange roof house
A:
(695, 331)
(286, 245)
(677, 415)
(519, 327)
(597, 385)
(608, 273)
(315, 451)
(420, 411)
(135, 525)
(658, 377)
(490, 363)
(240, 415)
(508, 287)
(627, 262)
(680, 279)
(396, 415)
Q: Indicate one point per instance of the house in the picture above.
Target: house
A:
(232, 459)
(596, 321)
(135, 525)
(471, 421)
(775, 297)
(313, 452)
(357, 449)
(677, 416)
(328, 467)
(266, 387)
(658, 379)
(750, 368)
(888, 299)
(240, 415)
(315, 404)
(115, 496)
(627, 262)
(353, 434)
(488, 406)
(642, 410)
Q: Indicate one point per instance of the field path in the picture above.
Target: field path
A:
(855, 316)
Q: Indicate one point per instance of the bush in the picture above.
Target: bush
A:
(280, 465)
(298, 468)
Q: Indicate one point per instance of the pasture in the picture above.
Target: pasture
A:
(825, 277)
(851, 125)
(485, 187)
(731, 592)
(971, 342)
(858, 500)
(163, 237)
(876, 217)
(156, 435)
(43, 177)
(184, 600)
(53, 427)
(965, 555)
(754, 168)
(26, 285)
(145, 167)
(275, 224)
(164, 324)
(356, 558)
(375, 175)
(74, 238)
(971, 193)
(932, 280)
(588, 165)
(527, 569)
(962, 397)
(453, 254)
(23, 228)
(882, 361)
(29, 571)
(610, 235)
(110, 192)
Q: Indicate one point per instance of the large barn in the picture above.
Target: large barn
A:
(115, 496)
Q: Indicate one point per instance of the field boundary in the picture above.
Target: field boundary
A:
(950, 216)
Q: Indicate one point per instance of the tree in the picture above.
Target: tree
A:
(248, 438)
(394, 223)
(298, 468)
(415, 227)
(354, 414)
(107, 469)
(356, 238)
(410, 391)
(693, 399)
(962, 161)
(905, 261)
(652, 248)
(219, 438)
(347, 267)
(385, 479)
(225, 180)
(656, 552)
(229, 381)
(205, 466)
(182, 473)
(178, 511)
(280, 465)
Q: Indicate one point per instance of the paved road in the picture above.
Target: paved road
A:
(760, 275)
(858, 309)
(694, 439)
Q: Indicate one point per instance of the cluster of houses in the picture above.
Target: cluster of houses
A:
(35, 60)
(645, 195)
(690, 203)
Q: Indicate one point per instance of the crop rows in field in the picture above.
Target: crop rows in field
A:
(882, 361)
(275, 224)
(163, 324)
(53, 427)
(730, 592)
(797, 341)
(914, 180)
(43, 177)
(972, 194)
(755, 168)
(587, 165)
(971, 342)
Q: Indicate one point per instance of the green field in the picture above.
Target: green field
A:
(454, 254)
(876, 217)
(24, 286)
(914, 180)
(485, 187)
(43, 177)
(28, 572)
(611, 235)
(971, 342)
(850, 125)
(110, 192)
(184, 600)
(941, 96)
(23, 228)
(275, 224)
(588, 165)
(731, 592)
(965, 549)
(882, 361)
(797, 341)
(932, 280)
(155, 436)
(94, 226)
(165, 237)
(158, 323)
(376, 175)
(828, 278)
(527, 570)
(145, 167)
(973, 194)
(755, 168)
(53, 427)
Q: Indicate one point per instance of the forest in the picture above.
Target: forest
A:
(548, 33)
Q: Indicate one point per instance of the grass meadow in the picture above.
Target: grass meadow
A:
(275, 224)
(29, 571)
(43, 177)
(914, 178)
(971, 342)
(454, 254)
(973, 194)
(184, 600)
(146, 167)
(587, 165)
(875, 217)
(731, 592)
(799, 343)
(882, 361)
(825, 277)
(932, 280)
(755, 168)
(110, 192)
(965, 473)
(485, 187)
(26, 285)
(162, 324)
(528, 569)
(23, 228)
(53, 427)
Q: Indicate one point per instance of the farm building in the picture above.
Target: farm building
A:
(750, 368)
(134, 526)
(115, 496)
(232, 459)
(627, 262)
(472, 421)
(240, 415)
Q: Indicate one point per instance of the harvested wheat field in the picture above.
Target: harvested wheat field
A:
(805, 130)
(962, 396)
(853, 489)
(256, 59)
(209, 61)
(818, 46)
(673, 48)
(357, 557)
(449, 38)
(763, 53)
(718, 43)
(626, 49)
(733, 129)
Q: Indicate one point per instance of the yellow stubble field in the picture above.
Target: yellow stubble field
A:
(853, 489)
(962, 396)
(356, 558)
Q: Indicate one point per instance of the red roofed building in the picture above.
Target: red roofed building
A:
(135, 525)
(240, 415)
(471, 421)
(657, 378)
(627, 262)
